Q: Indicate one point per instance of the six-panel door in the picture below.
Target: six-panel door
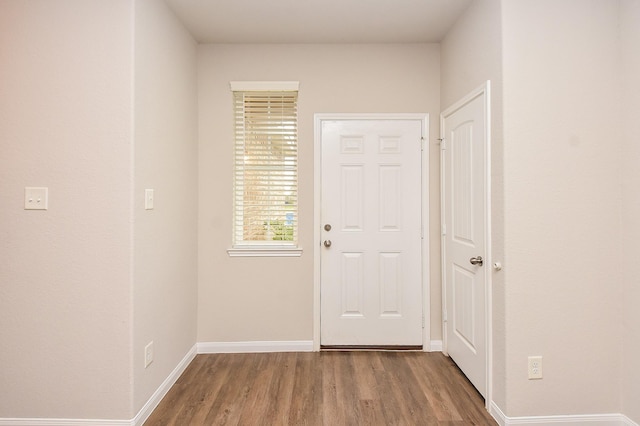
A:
(371, 270)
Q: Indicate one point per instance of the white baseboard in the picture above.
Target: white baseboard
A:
(568, 420)
(160, 393)
(274, 346)
(255, 347)
(63, 422)
(435, 346)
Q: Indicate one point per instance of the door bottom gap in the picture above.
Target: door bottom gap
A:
(371, 348)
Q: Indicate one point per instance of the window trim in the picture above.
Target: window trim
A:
(265, 251)
(264, 86)
(269, 249)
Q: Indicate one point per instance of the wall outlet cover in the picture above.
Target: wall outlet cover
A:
(535, 367)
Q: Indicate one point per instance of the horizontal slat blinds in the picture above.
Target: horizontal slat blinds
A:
(266, 168)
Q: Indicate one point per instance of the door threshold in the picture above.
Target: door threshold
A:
(390, 348)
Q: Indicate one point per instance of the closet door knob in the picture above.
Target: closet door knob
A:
(476, 260)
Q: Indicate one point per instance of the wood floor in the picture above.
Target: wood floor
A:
(322, 388)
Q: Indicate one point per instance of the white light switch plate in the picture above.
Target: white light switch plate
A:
(148, 199)
(36, 198)
(148, 354)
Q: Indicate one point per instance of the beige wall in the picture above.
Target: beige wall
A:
(165, 238)
(562, 205)
(87, 283)
(471, 54)
(65, 103)
(257, 299)
(630, 106)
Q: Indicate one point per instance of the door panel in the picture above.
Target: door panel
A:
(371, 273)
(464, 217)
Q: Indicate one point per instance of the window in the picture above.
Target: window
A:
(265, 191)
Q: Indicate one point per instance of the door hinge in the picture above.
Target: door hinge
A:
(443, 229)
(422, 320)
(422, 143)
(444, 316)
(443, 143)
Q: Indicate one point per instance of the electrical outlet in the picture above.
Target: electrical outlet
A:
(535, 367)
(148, 354)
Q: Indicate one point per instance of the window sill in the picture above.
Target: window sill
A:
(265, 252)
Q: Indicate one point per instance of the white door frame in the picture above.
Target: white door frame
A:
(318, 119)
(483, 90)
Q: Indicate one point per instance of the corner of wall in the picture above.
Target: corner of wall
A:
(166, 158)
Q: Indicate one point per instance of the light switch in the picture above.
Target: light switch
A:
(36, 198)
(148, 199)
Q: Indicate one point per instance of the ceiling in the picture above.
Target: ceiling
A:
(318, 21)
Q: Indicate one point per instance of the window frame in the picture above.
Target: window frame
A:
(268, 248)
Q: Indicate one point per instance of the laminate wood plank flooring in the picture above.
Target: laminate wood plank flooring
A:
(322, 388)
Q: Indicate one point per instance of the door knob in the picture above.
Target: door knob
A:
(327, 227)
(476, 260)
(327, 243)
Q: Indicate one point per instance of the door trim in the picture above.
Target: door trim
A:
(483, 90)
(317, 189)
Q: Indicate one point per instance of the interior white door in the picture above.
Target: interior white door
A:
(371, 270)
(464, 149)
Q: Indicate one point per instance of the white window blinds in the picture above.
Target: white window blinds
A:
(266, 168)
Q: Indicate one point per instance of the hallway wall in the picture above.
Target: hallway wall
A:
(165, 159)
(562, 205)
(65, 303)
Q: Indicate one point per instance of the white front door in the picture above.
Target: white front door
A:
(371, 218)
(464, 153)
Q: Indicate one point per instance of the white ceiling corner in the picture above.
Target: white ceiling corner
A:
(318, 21)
